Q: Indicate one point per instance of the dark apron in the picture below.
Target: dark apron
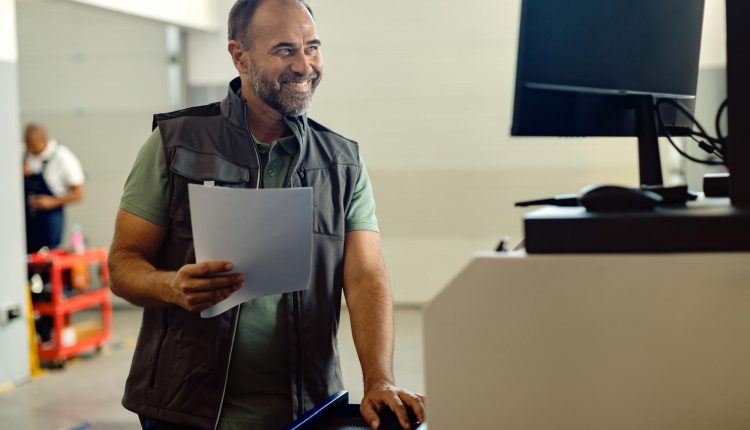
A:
(43, 228)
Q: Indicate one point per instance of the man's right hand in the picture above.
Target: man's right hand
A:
(134, 276)
(197, 287)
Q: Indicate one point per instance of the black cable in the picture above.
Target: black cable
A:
(690, 132)
(709, 148)
(713, 140)
(717, 121)
(682, 109)
(669, 136)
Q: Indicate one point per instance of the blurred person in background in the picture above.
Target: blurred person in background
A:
(53, 178)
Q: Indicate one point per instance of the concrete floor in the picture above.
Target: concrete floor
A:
(86, 393)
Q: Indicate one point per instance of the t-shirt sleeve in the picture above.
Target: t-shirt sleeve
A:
(361, 212)
(146, 192)
(72, 170)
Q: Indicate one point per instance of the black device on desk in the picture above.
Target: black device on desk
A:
(335, 413)
(615, 198)
(630, 68)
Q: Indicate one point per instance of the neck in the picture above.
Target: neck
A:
(266, 123)
(266, 129)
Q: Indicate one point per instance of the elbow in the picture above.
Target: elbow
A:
(112, 266)
(79, 194)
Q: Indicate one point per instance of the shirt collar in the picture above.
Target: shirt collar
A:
(287, 143)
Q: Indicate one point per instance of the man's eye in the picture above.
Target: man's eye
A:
(284, 51)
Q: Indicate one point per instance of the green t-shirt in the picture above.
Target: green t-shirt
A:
(146, 192)
(258, 394)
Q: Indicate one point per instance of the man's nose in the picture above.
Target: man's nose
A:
(302, 64)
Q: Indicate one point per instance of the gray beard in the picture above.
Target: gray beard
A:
(272, 92)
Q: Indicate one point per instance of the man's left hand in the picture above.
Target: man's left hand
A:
(385, 395)
(43, 202)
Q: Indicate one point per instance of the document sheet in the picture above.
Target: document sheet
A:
(265, 233)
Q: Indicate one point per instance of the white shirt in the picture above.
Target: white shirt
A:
(63, 168)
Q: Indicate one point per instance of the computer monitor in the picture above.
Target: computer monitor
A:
(738, 92)
(597, 67)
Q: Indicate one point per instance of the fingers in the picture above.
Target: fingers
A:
(397, 406)
(203, 301)
(369, 410)
(199, 286)
(397, 400)
(206, 268)
(415, 402)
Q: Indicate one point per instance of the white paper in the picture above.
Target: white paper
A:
(265, 233)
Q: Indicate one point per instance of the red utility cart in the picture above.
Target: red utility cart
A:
(72, 283)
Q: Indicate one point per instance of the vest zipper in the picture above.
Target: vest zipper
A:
(297, 305)
(300, 375)
(229, 362)
(239, 307)
(252, 144)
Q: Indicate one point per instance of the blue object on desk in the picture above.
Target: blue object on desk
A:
(335, 413)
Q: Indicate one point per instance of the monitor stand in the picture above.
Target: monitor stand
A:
(647, 129)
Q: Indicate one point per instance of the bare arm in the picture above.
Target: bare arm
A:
(368, 297)
(134, 277)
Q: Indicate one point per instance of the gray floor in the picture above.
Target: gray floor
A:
(86, 394)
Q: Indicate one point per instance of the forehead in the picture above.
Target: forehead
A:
(282, 21)
(34, 133)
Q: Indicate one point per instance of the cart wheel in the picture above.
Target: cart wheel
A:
(58, 363)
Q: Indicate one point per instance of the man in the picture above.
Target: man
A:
(264, 363)
(53, 178)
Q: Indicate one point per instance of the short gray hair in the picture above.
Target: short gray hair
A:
(240, 15)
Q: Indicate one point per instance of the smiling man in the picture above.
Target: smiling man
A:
(264, 363)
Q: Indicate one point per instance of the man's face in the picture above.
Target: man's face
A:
(36, 141)
(285, 63)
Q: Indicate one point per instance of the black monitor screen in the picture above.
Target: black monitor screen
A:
(597, 68)
(578, 59)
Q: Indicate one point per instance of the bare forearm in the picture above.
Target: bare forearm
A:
(74, 194)
(371, 312)
(368, 296)
(138, 281)
(71, 197)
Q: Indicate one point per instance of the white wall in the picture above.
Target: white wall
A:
(8, 45)
(714, 46)
(196, 14)
(14, 353)
(94, 78)
(207, 57)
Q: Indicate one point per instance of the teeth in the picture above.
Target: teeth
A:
(303, 86)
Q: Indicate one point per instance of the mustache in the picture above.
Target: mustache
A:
(294, 77)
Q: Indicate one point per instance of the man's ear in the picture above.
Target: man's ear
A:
(236, 51)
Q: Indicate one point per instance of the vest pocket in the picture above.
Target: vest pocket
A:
(331, 197)
(190, 167)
